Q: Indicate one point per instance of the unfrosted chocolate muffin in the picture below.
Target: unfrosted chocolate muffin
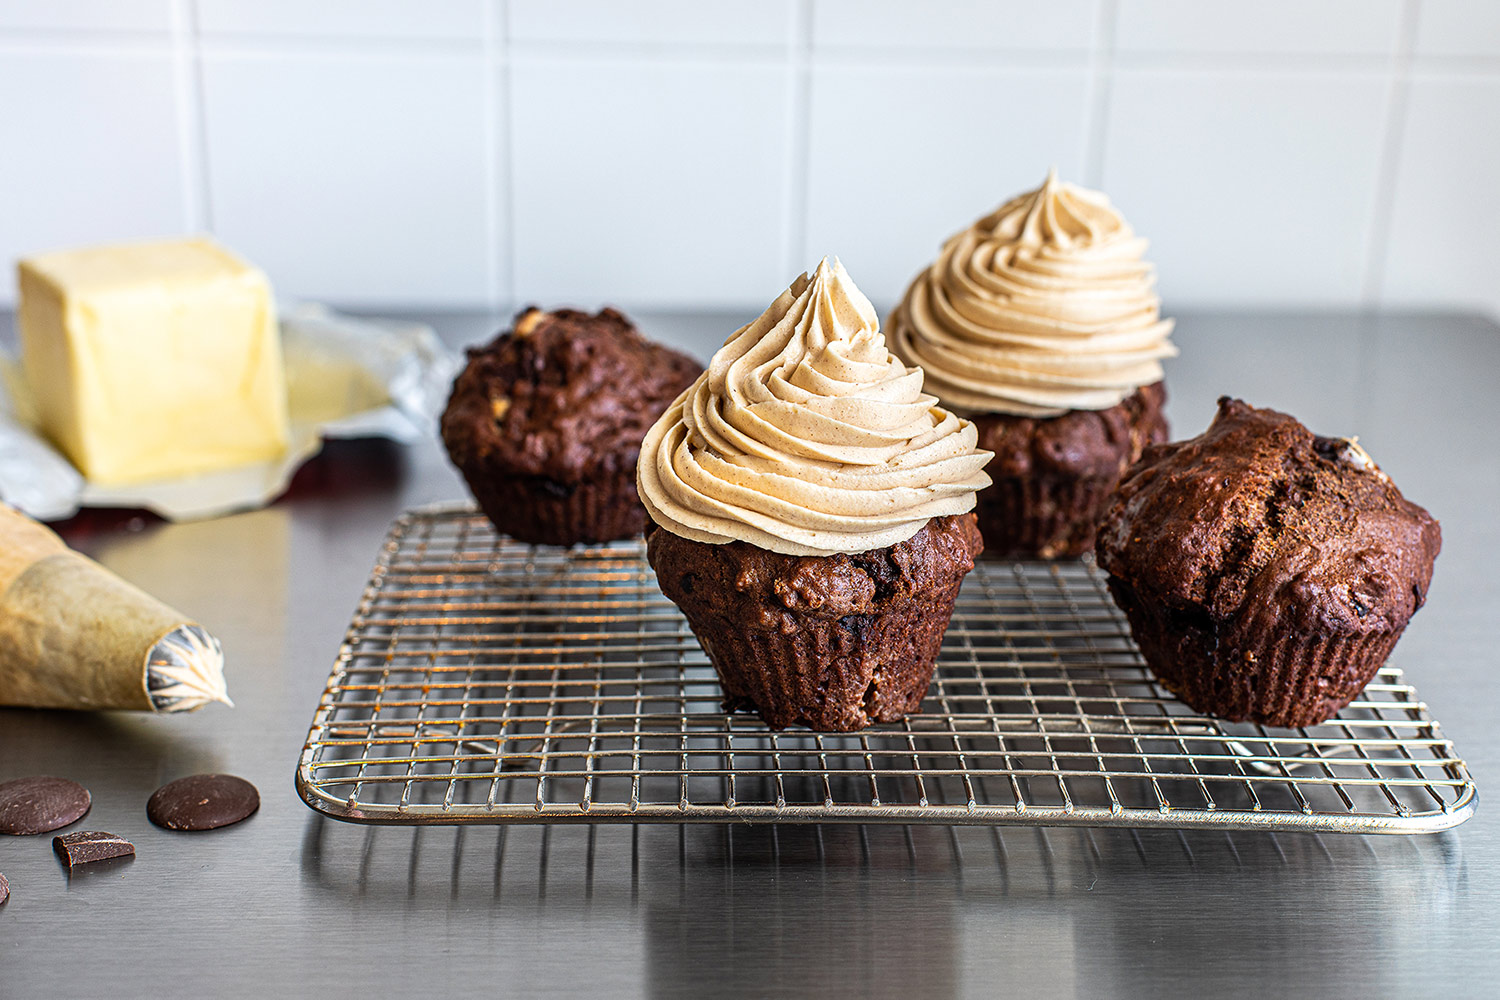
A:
(1052, 476)
(833, 643)
(545, 423)
(1266, 572)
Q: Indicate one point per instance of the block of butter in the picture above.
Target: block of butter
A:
(153, 360)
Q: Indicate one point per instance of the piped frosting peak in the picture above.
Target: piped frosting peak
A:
(1043, 306)
(806, 436)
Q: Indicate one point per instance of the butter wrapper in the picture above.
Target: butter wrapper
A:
(347, 377)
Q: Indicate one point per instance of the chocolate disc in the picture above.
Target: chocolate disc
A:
(41, 804)
(202, 802)
(85, 847)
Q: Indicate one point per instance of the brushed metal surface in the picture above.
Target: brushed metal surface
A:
(292, 904)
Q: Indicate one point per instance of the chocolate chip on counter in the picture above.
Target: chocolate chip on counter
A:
(85, 847)
(202, 802)
(4, 889)
(41, 804)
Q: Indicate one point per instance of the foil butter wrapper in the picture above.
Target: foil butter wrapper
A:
(346, 376)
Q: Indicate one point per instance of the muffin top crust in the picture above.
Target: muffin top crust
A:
(562, 395)
(1260, 512)
(1079, 444)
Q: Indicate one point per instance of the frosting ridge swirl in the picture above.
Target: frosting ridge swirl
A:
(806, 436)
(1043, 306)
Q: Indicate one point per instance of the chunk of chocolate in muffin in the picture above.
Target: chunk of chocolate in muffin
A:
(833, 643)
(1266, 571)
(1052, 476)
(545, 423)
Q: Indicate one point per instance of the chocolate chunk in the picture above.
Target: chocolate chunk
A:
(4, 889)
(41, 804)
(202, 802)
(85, 847)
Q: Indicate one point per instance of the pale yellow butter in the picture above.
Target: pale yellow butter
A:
(153, 360)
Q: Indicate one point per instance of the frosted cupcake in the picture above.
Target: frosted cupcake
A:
(1042, 324)
(811, 509)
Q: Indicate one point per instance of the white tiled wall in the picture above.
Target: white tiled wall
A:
(896, 163)
(1268, 179)
(661, 181)
(678, 153)
(1315, 27)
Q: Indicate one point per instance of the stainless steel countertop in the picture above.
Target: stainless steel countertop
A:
(290, 904)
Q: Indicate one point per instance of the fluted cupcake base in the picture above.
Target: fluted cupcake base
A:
(541, 511)
(834, 643)
(1272, 675)
(1042, 518)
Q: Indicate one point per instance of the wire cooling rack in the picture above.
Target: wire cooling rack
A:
(486, 681)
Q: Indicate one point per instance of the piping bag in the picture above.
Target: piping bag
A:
(74, 635)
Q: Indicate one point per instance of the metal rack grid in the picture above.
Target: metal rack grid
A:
(486, 681)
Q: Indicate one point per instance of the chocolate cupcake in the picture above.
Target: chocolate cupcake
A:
(545, 423)
(1041, 323)
(833, 643)
(812, 516)
(1266, 572)
(1053, 475)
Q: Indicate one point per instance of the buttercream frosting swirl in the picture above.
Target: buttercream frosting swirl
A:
(806, 436)
(1040, 307)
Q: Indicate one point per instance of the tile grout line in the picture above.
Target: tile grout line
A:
(918, 57)
(489, 103)
(1456, 67)
(799, 141)
(505, 160)
(1251, 63)
(1398, 98)
(1101, 87)
(192, 118)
